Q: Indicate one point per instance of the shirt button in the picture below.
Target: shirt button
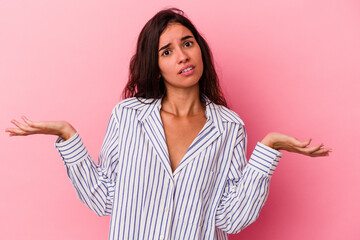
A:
(161, 237)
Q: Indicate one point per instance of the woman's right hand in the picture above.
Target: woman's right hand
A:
(62, 129)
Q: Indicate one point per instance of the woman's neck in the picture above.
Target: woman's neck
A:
(183, 102)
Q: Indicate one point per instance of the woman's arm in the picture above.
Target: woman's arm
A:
(94, 184)
(247, 185)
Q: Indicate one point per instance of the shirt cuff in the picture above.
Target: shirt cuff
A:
(71, 150)
(265, 159)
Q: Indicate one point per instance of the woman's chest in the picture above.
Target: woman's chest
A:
(180, 133)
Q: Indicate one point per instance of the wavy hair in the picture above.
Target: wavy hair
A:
(144, 70)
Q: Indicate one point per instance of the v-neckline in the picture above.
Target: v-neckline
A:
(154, 130)
(178, 161)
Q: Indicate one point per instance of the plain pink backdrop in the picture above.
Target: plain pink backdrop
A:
(288, 66)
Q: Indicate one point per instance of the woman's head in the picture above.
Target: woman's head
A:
(180, 59)
(144, 74)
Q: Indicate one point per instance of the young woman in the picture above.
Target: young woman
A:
(173, 163)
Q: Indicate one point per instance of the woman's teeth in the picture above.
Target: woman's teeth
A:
(187, 69)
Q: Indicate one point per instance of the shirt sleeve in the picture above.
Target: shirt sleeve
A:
(94, 183)
(247, 185)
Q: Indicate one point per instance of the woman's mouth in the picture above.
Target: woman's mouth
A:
(188, 70)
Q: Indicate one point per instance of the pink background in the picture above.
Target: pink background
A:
(288, 66)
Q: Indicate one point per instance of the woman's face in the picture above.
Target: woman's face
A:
(180, 60)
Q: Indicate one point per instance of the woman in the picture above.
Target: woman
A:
(173, 163)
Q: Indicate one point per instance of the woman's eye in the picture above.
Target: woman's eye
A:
(166, 52)
(188, 44)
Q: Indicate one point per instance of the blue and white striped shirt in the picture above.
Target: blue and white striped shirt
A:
(214, 191)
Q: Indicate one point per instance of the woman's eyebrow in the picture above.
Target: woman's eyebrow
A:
(169, 44)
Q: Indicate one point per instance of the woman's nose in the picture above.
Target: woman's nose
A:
(182, 56)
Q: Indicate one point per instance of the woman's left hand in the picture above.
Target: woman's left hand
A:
(281, 141)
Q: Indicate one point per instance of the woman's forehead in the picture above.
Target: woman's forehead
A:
(174, 32)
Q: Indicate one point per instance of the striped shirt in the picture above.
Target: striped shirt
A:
(213, 192)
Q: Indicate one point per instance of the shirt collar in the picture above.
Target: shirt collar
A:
(150, 105)
(212, 111)
(213, 114)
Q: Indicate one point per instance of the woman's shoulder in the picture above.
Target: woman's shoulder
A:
(226, 114)
(134, 104)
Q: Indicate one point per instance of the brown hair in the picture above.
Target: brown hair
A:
(144, 70)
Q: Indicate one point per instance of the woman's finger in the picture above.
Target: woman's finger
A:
(27, 121)
(25, 129)
(321, 152)
(318, 153)
(41, 126)
(38, 125)
(16, 132)
(297, 143)
(304, 144)
(315, 148)
(19, 125)
(308, 150)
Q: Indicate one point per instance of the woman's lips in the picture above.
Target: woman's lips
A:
(187, 73)
(188, 70)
